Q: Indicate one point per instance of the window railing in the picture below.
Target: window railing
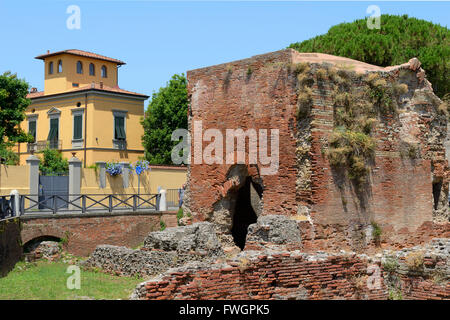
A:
(43, 144)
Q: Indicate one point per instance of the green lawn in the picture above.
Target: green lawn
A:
(47, 281)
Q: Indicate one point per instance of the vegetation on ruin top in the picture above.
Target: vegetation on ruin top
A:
(399, 39)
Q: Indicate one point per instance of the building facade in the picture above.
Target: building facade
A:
(83, 110)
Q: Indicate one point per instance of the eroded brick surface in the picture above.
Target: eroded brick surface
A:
(262, 92)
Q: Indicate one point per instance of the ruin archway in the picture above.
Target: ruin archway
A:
(240, 206)
(243, 213)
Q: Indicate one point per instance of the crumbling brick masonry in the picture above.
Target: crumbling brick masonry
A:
(361, 150)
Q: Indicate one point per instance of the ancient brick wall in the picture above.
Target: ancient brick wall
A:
(254, 93)
(10, 244)
(263, 93)
(281, 274)
(84, 232)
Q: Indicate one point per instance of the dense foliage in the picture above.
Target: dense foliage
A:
(399, 39)
(13, 102)
(166, 112)
(53, 163)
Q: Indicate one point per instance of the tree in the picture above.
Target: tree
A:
(13, 102)
(53, 163)
(399, 39)
(166, 112)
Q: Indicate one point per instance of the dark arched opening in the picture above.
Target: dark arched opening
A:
(34, 243)
(244, 213)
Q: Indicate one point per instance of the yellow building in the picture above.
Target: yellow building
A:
(83, 110)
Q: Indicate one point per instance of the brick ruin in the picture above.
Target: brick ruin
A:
(358, 208)
(404, 187)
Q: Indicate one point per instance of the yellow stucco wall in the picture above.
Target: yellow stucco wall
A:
(167, 178)
(61, 82)
(14, 177)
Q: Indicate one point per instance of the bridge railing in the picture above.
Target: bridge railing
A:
(87, 203)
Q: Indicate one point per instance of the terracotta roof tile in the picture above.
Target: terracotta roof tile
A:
(95, 86)
(82, 53)
(35, 94)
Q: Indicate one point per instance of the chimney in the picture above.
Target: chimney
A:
(48, 51)
(101, 84)
(33, 90)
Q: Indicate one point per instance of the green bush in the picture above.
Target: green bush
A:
(53, 163)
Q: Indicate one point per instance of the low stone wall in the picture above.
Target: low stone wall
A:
(10, 245)
(162, 250)
(84, 232)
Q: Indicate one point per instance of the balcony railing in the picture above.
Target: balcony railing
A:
(43, 144)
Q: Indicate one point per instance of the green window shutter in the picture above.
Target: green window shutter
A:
(119, 128)
(53, 134)
(78, 127)
(32, 129)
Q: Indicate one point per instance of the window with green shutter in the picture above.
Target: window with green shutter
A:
(53, 134)
(119, 128)
(78, 127)
(32, 129)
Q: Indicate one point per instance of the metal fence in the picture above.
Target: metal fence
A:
(84, 203)
(173, 198)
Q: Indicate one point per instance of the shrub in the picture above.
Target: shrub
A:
(376, 232)
(53, 163)
(390, 264)
(162, 225)
(414, 260)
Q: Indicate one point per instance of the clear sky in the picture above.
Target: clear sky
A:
(158, 39)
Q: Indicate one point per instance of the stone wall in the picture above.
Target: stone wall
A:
(10, 244)
(161, 250)
(405, 193)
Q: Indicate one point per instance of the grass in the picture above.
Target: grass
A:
(45, 280)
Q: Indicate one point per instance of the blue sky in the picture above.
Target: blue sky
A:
(158, 39)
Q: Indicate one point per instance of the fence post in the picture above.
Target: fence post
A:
(15, 202)
(134, 202)
(102, 173)
(55, 205)
(33, 163)
(162, 200)
(74, 180)
(22, 205)
(83, 203)
(125, 174)
(110, 205)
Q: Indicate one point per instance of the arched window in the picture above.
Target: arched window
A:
(79, 67)
(91, 69)
(50, 68)
(59, 66)
(104, 72)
